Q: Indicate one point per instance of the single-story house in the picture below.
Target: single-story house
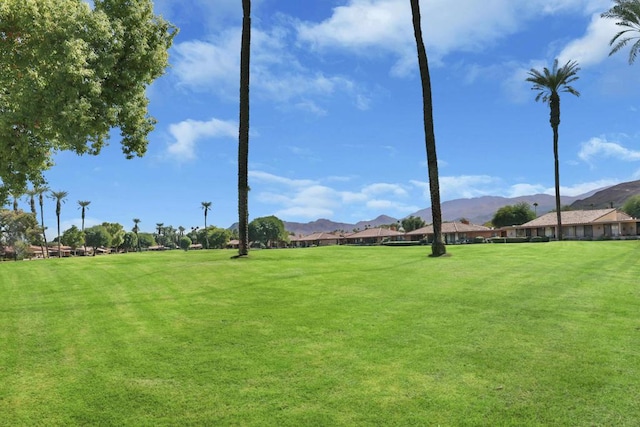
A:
(233, 244)
(582, 224)
(453, 232)
(65, 251)
(374, 236)
(315, 239)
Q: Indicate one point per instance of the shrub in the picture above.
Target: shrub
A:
(536, 239)
(185, 242)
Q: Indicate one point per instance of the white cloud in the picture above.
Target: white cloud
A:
(598, 148)
(269, 178)
(593, 47)
(382, 27)
(276, 74)
(187, 133)
(584, 187)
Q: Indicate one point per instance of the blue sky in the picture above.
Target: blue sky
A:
(336, 112)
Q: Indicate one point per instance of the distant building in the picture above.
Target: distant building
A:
(583, 224)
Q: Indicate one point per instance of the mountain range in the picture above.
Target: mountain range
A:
(480, 210)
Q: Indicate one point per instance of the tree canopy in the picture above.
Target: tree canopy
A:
(513, 215)
(267, 229)
(413, 223)
(69, 74)
(631, 206)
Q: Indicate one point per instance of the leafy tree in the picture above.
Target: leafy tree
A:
(206, 206)
(59, 197)
(513, 215)
(16, 227)
(185, 242)
(438, 247)
(69, 74)
(631, 206)
(130, 241)
(627, 14)
(549, 84)
(267, 230)
(116, 234)
(243, 139)
(73, 237)
(412, 223)
(145, 240)
(217, 237)
(97, 236)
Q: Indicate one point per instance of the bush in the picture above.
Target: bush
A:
(536, 239)
(508, 240)
(185, 242)
(478, 239)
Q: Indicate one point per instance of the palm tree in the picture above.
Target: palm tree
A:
(41, 191)
(32, 201)
(627, 13)
(206, 206)
(83, 205)
(243, 139)
(59, 197)
(438, 247)
(135, 230)
(32, 204)
(549, 84)
(159, 226)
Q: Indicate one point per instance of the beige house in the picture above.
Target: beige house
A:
(315, 239)
(373, 236)
(588, 224)
(453, 232)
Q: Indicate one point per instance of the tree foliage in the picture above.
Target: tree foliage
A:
(627, 16)
(17, 226)
(73, 237)
(513, 215)
(412, 223)
(69, 74)
(185, 242)
(631, 206)
(267, 230)
(97, 236)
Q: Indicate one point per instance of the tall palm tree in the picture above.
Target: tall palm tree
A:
(206, 206)
(59, 197)
(135, 230)
(243, 138)
(438, 247)
(83, 205)
(159, 226)
(41, 191)
(32, 199)
(549, 84)
(627, 14)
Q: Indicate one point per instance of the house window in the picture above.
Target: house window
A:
(588, 231)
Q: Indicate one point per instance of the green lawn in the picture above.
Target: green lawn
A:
(497, 335)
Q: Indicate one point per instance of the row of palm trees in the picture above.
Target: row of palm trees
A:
(59, 197)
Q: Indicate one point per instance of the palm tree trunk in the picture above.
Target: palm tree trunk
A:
(557, 183)
(438, 247)
(44, 235)
(554, 119)
(59, 243)
(243, 145)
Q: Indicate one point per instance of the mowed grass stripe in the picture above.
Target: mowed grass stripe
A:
(522, 334)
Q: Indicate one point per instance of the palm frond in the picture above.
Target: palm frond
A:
(627, 15)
